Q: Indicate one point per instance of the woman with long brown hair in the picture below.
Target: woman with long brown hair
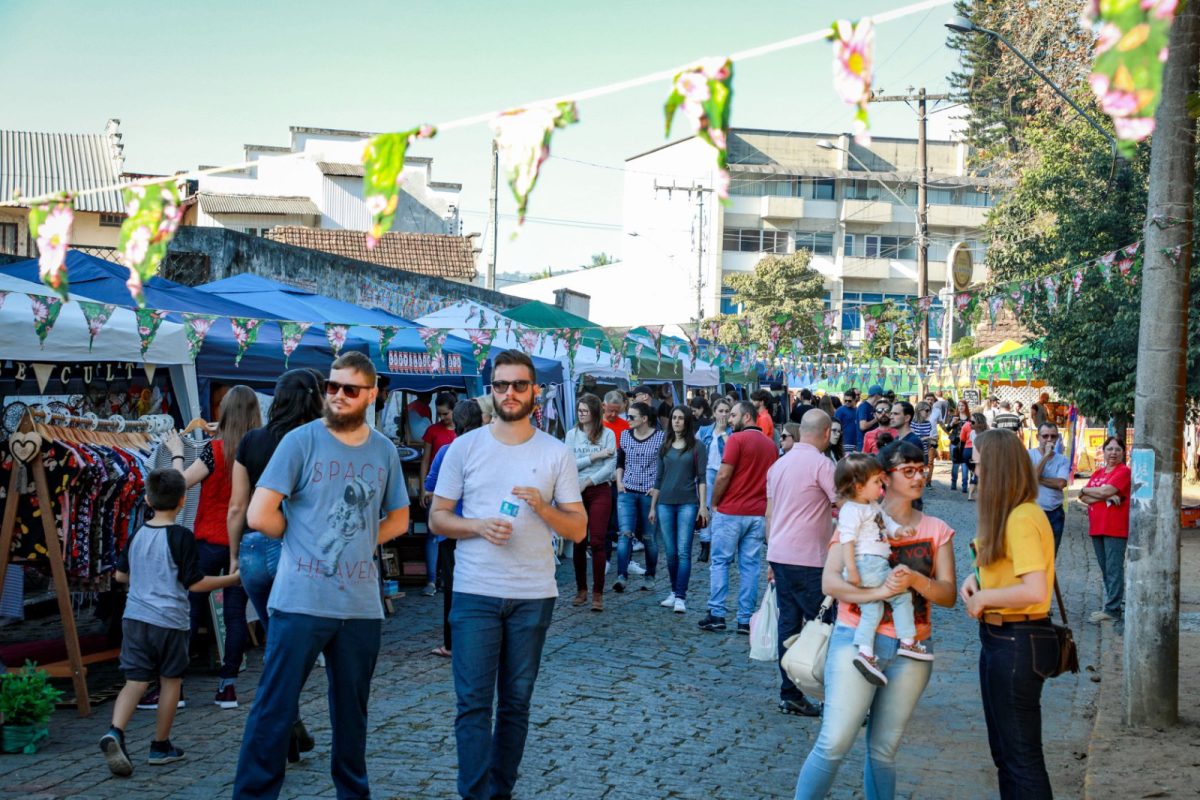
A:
(1009, 593)
(595, 449)
(239, 414)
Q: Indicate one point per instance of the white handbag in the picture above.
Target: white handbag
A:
(764, 628)
(804, 660)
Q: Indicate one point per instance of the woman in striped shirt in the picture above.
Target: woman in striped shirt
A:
(923, 427)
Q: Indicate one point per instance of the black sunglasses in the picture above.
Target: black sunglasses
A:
(349, 389)
(502, 387)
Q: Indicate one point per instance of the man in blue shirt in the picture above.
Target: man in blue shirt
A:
(847, 418)
(1053, 471)
(865, 418)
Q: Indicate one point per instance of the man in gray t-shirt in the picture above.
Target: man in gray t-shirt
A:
(517, 485)
(334, 491)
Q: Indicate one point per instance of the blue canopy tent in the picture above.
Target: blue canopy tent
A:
(262, 363)
(289, 302)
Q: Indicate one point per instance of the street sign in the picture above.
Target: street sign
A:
(961, 265)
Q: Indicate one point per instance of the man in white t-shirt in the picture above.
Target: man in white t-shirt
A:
(517, 485)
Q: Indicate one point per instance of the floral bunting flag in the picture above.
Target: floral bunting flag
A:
(853, 56)
(508, 323)
(336, 334)
(714, 330)
(434, 339)
(704, 92)
(152, 215)
(870, 316)
(1125, 259)
(383, 162)
(51, 224)
(529, 340)
(673, 350)
(655, 332)
(386, 334)
(291, 333)
(148, 321)
(197, 327)
(616, 342)
(693, 343)
(1105, 263)
(245, 331)
(1051, 287)
(572, 337)
(97, 315)
(1077, 282)
(994, 303)
(523, 144)
(45, 314)
(1130, 51)
(481, 345)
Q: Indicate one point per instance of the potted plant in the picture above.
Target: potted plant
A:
(26, 703)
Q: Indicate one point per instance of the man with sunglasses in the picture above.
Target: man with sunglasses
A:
(517, 484)
(333, 490)
(883, 422)
(866, 418)
(1053, 471)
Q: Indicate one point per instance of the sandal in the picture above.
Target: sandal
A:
(440, 651)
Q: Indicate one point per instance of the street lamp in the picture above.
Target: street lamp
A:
(964, 25)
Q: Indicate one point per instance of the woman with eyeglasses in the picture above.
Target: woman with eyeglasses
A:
(595, 449)
(1107, 498)
(679, 498)
(1009, 593)
(925, 568)
(834, 452)
(789, 436)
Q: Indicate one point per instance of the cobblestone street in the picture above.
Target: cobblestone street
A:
(632, 703)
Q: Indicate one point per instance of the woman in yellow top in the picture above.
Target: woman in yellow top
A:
(1009, 593)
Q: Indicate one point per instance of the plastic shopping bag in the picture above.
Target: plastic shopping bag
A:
(764, 628)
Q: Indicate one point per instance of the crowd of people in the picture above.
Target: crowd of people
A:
(829, 493)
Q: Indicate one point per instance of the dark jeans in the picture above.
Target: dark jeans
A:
(445, 562)
(633, 517)
(610, 540)
(1057, 518)
(258, 559)
(798, 596)
(1014, 662)
(214, 560)
(1110, 552)
(293, 642)
(678, 525)
(597, 502)
(497, 652)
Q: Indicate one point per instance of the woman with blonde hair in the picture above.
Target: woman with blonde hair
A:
(1009, 593)
(488, 406)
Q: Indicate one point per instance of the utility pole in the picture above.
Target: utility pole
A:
(1151, 654)
(699, 192)
(493, 218)
(921, 98)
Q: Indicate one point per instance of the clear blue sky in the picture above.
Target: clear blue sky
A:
(216, 74)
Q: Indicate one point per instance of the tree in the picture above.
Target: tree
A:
(964, 348)
(599, 260)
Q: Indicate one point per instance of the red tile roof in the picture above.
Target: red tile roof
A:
(439, 255)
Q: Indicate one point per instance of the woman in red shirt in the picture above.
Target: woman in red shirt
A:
(239, 414)
(436, 436)
(1107, 498)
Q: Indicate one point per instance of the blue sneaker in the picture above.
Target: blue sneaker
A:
(112, 744)
(164, 753)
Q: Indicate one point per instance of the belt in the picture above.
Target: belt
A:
(1004, 619)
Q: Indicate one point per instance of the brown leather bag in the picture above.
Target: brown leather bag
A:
(1068, 655)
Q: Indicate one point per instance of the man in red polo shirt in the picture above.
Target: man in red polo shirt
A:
(740, 499)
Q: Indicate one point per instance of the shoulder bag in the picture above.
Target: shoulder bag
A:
(804, 660)
(1068, 655)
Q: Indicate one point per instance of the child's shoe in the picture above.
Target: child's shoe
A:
(915, 650)
(164, 753)
(869, 667)
(112, 744)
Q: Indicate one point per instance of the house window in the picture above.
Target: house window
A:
(775, 242)
(778, 187)
(746, 187)
(750, 240)
(8, 237)
(111, 220)
(871, 250)
(981, 198)
(727, 304)
(848, 245)
(819, 244)
(816, 188)
(940, 197)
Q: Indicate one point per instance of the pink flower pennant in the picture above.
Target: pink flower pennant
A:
(336, 335)
(45, 314)
(853, 57)
(148, 322)
(529, 340)
(994, 304)
(291, 333)
(152, 216)
(434, 339)
(481, 345)
(197, 327)
(704, 92)
(51, 224)
(523, 143)
(245, 331)
(383, 161)
(97, 315)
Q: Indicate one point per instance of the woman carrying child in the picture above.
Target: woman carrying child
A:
(925, 567)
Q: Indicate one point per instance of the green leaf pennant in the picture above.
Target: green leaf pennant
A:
(197, 326)
(481, 345)
(572, 337)
(853, 57)
(152, 216)
(994, 303)
(148, 322)
(434, 339)
(51, 225)
(97, 315)
(290, 333)
(523, 143)
(45, 314)
(704, 92)
(1130, 50)
(335, 334)
(655, 332)
(616, 343)
(245, 331)
(1051, 287)
(386, 334)
(383, 161)
(1125, 259)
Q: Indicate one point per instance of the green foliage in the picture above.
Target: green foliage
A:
(26, 696)
(964, 348)
(901, 344)
(599, 260)
(783, 291)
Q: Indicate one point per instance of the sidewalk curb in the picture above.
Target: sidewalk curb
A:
(1108, 714)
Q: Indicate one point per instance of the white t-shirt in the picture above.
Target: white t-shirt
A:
(482, 472)
(868, 527)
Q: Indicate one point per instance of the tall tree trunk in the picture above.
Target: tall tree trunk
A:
(1151, 656)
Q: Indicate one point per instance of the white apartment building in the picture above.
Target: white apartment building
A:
(788, 193)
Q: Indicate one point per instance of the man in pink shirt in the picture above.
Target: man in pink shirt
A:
(800, 495)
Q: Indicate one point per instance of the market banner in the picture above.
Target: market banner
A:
(197, 326)
(704, 93)
(383, 161)
(245, 331)
(45, 314)
(148, 322)
(853, 56)
(97, 315)
(153, 214)
(522, 139)
(51, 225)
(481, 345)
(290, 333)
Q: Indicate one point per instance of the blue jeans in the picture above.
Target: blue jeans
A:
(848, 698)
(798, 596)
(740, 537)
(1058, 518)
(258, 559)
(497, 652)
(214, 560)
(1110, 552)
(293, 642)
(1014, 661)
(873, 571)
(711, 477)
(633, 516)
(968, 473)
(678, 524)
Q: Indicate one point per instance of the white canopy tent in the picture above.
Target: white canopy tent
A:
(118, 340)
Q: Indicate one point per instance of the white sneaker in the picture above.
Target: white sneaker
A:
(680, 606)
(636, 568)
(638, 546)
(1100, 616)
(607, 564)
(669, 601)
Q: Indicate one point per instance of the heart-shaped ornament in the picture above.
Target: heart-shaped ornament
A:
(24, 446)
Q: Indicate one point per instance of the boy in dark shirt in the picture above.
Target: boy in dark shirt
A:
(161, 564)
